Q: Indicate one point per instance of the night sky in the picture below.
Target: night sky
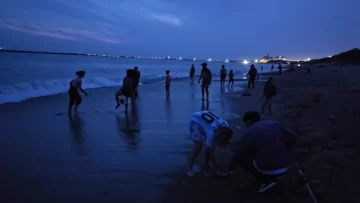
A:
(234, 29)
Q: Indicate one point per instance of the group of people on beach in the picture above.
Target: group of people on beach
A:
(264, 151)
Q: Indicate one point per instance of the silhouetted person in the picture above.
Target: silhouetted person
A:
(268, 95)
(136, 80)
(127, 90)
(280, 69)
(167, 83)
(192, 73)
(272, 67)
(262, 69)
(231, 78)
(206, 78)
(265, 151)
(74, 95)
(223, 74)
(252, 76)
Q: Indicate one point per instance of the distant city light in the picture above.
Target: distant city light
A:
(168, 57)
(245, 62)
(194, 59)
(180, 58)
(309, 59)
(284, 59)
(209, 60)
(256, 61)
(298, 64)
(226, 60)
(330, 56)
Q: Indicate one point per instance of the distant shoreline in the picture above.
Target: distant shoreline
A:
(46, 52)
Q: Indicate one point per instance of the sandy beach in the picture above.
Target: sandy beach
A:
(327, 149)
(105, 156)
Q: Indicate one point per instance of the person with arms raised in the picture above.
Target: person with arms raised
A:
(209, 130)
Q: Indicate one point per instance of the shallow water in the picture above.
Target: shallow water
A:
(24, 76)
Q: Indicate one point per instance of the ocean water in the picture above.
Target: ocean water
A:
(24, 76)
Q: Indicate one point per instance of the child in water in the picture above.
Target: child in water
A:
(167, 82)
(231, 78)
(74, 96)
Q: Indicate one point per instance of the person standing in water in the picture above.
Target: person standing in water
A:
(74, 96)
(127, 90)
(206, 77)
(223, 74)
(262, 69)
(192, 73)
(272, 67)
(167, 83)
(136, 80)
(280, 69)
(252, 75)
(269, 93)
(231, 78)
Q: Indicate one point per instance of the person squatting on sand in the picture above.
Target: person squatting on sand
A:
(265, 150)
(127, 90)
(269, 93)
(209, 130)
(206, 78)
(252, 76)
(74, 95)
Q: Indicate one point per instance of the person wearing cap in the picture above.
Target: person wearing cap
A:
(206, 78)
(265, 150)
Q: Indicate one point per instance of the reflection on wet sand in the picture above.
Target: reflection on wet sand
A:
(203, 106)
(77, 131)
(230, 88)
(222, 89)
(168, 108)
(128, 127)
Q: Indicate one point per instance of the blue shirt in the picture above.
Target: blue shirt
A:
(272, 143)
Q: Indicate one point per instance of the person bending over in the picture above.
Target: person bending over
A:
(206, 77)
(265, 151)
(74, 96)
(209, 130)
(127, 90)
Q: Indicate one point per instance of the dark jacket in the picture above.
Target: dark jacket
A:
(272, 142)
(269, 90)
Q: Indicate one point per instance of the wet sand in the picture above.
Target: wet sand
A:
(102, 155)
(329, 140)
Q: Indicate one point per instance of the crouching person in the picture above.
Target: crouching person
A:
(265, 150)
